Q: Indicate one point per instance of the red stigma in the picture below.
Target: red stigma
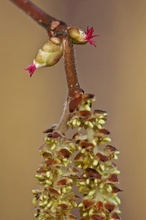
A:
(89, 36)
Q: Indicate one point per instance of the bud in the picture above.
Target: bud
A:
(48, 55)
(79, 36)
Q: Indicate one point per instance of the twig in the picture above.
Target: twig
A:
(70, 67)
(57, 28)
(72, 82)
(41, 17)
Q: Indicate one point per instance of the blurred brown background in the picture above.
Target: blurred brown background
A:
(115, 71)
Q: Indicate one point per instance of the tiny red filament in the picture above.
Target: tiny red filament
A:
(89, 36)
(31, 69)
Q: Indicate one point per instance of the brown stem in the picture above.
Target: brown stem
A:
(59, 28)
(41, 17)
(72, 82)
(56, 27)
(62, 127)
(70, 68)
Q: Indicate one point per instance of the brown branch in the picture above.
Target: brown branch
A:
(70, 67)
(72, 82)
(41, 17)
(62, 127)
(58, 28)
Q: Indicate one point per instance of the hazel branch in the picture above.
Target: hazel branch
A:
(70, 67)
(54, 27)
(72, 82)
(58, 32)
(37, 14)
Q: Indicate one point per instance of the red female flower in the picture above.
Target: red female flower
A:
(48, 55)
(31, 69)
(89, 35)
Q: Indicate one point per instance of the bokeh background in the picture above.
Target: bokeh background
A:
(115, 71)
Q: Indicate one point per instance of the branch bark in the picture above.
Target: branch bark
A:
(55, 27)
(37, 14)
(70, 67)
